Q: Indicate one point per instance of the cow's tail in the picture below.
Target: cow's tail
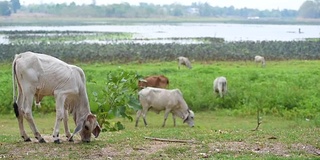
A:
(224, 84)
(14, 88)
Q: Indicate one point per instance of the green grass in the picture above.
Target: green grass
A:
(283, 88)
(287, 89)
(217, 135)
(286, 92)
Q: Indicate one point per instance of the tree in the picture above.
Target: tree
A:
(118, 98)
(15, 5)
(176, 10)
(206, 10)
(4, 8)
(310, 9)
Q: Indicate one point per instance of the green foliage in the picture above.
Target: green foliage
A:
(6, 89)
(47, 37)
(136, 52)
(149, 10)
(310, 9)
(117, 99)
(15, 5)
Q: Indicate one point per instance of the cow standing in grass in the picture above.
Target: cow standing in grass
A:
(38, 75)
(220, 86)
(171, 101)
(260, 59)
(184, 61)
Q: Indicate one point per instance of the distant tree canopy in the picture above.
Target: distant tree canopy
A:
(146, 10)
(5, 8)
(15, 5)
(310, 9)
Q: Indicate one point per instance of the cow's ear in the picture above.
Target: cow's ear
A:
(97, 130)
(93, 119)
(184, 121)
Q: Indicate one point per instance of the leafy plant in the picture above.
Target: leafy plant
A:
(137, 52)
(118, 98)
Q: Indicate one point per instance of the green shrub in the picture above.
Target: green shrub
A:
(116, 98)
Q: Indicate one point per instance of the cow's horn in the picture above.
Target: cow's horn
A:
(143, 80)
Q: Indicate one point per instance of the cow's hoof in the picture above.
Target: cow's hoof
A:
(57, 141)
(27, 140)
(42, 140)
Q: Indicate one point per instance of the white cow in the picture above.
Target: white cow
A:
(38, 75)
(260, 59)
(184, 61)
(220, 86)
(158, 99)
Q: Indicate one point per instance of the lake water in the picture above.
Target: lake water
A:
(230, 32)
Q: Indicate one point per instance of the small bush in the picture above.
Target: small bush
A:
(117, 98)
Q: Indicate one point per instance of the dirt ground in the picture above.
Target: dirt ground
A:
(151, 148)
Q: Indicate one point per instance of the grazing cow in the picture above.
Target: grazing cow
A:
(158, 99)
(220, 86)
(38, 75)
(260, 59)
(154, 81)
(184, 61)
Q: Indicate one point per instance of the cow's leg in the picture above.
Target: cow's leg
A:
(139, 112)
(174, 119)
(220, 90)
(19, 115)
(66, 127)
(144, 115)
(166, 113)
(27, 109)
(23, 134)
(60, 98)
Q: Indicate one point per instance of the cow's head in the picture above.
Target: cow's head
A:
(142, 83)
(88, 126)
(189, 118)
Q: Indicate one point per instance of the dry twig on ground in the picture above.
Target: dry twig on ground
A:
(171, 140)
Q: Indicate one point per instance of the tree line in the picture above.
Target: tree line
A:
(309, 9)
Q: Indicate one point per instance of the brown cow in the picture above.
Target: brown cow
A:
(157, 81)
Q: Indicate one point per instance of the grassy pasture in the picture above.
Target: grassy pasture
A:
(216, 135)
(283, 88)
(288, 89)
(285, 91)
